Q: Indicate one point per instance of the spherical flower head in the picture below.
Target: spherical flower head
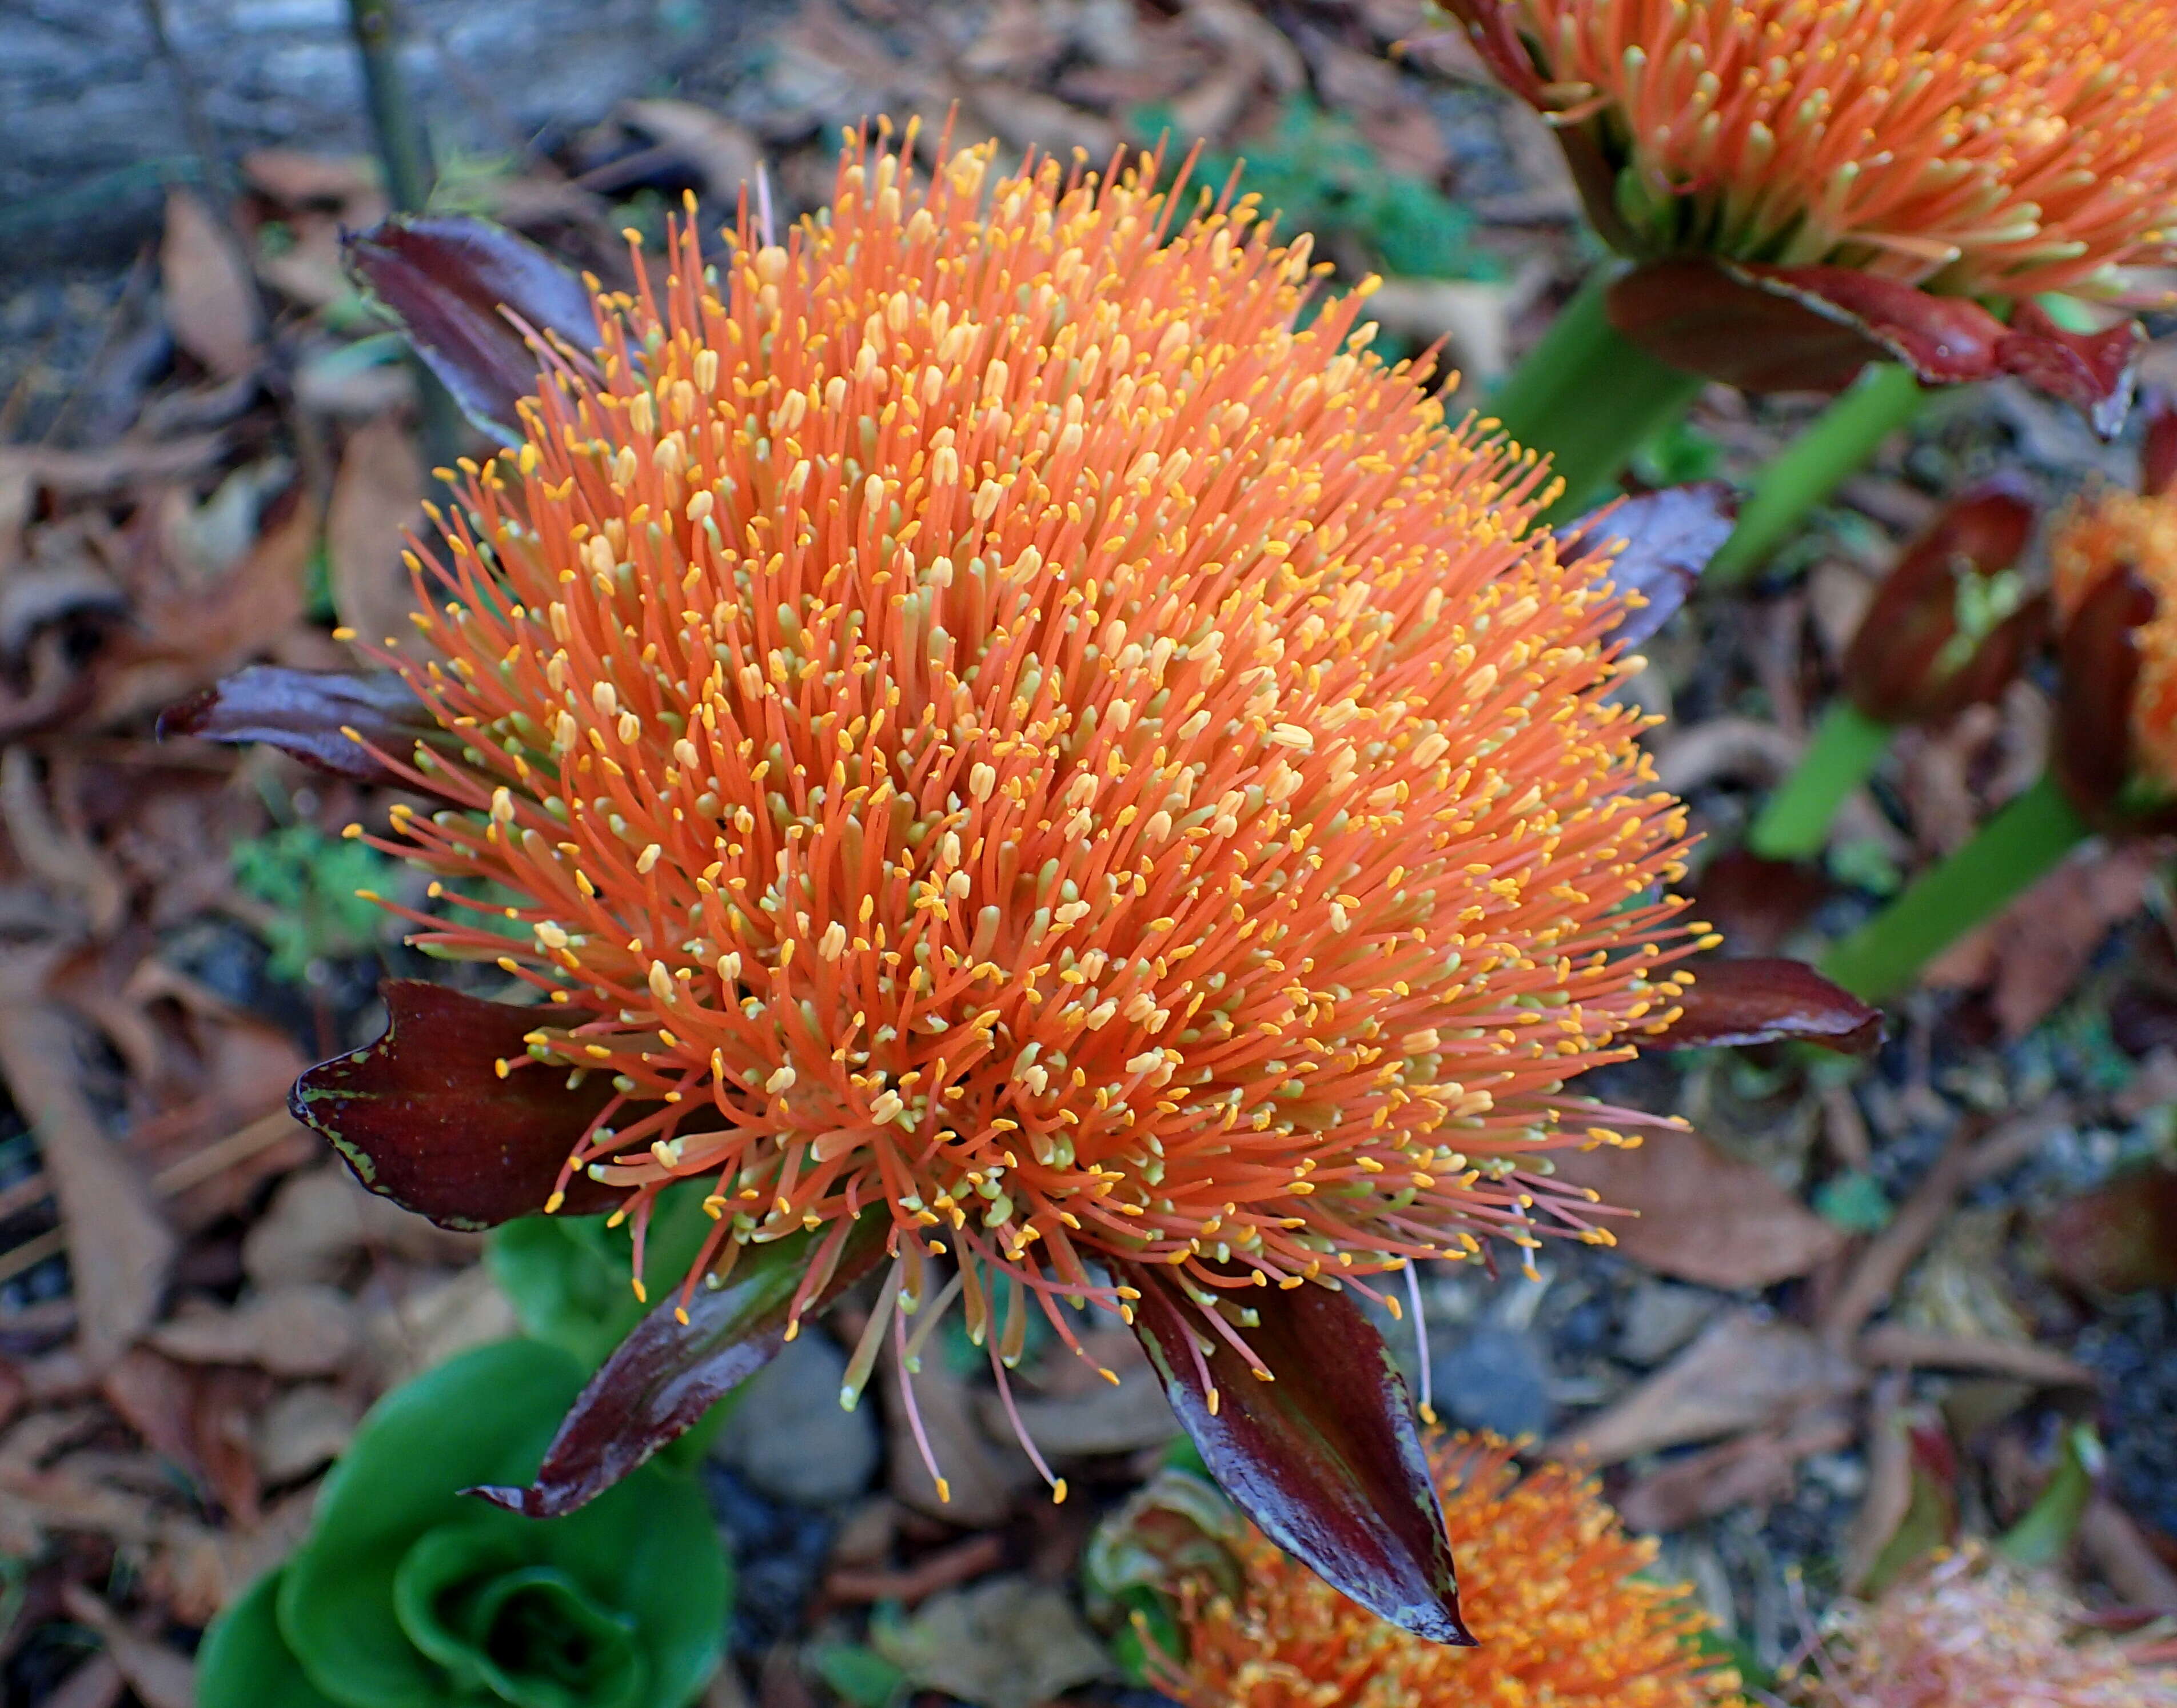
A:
(1984, 148)
(1554, 1588)
(976, 712)
(1975, 1628)
(2110, 531)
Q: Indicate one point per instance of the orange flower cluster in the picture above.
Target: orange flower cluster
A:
(1974, 1630)
(2112, 530)
(977, 712)
(1998, 148)
(1549, 1581)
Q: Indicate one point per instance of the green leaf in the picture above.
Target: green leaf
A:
(309, 881)
(859, 1675)
(526, 1633)
(246, 1663)
(390, 1520)
(1855, 1202)
(570, 1277)
(2045, 1535)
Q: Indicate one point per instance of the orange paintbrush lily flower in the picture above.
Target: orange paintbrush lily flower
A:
(1895, 171)
(1562, 1598)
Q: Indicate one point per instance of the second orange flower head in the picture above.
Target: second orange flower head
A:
(1981, 148)
(1811, 185)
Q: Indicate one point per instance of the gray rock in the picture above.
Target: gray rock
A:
(788, 1436)
(1102, 1419)
(1496, 1378)
(1660, 1316)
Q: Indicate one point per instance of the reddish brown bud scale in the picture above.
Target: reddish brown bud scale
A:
(2114, 558)
(1904, 665)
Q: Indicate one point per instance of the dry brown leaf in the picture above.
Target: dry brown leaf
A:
(2033, 952)
(1703, 1216)
(309, 270)
(303, 1429)
(429, 1324)
(153, 1396)
(1006, 1643)
(211, 302)
(83, 474)
(187, 635)
(196, 1570)
(35, 1503)
(377, 498)
(1737, 749)
(1896, 1346)
(120, 1247)
(1742, 1374)
(50, 849)
(1024, 119)
(228, 1399)
(723, 154)
(299, 1330)
(348, 182)
(96, 1683)
(1887, 1257)
(982, 1476)
(1889, 1492)
(2121, 1552)
(159, 1676)
(1754, 1470)
(1475, 317)
(320, 1221)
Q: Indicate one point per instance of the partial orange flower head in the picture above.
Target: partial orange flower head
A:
(2113, 531)
(1556, 1591)
(1973, 1629)
(973, 710)
(1983, 147)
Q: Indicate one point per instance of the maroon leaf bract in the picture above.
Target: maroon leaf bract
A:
(1767, 1000)
(1325, 1459)
(1715, 320)
(459, 286)
(423, 1118)
(1813, 329)
(1668, 538)
(307, 713)
(662, 1379)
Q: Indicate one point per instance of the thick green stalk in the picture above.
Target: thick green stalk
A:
(404, 149)
(1795, 824)
(404, 155)
(1840, 443)
(2022, 841)
(1590, 398)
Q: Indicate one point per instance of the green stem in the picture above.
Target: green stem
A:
(1795, 824)
(2006, 855)
(1590, 398)
(404, 154)
(1840, 443)
(403, 148)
